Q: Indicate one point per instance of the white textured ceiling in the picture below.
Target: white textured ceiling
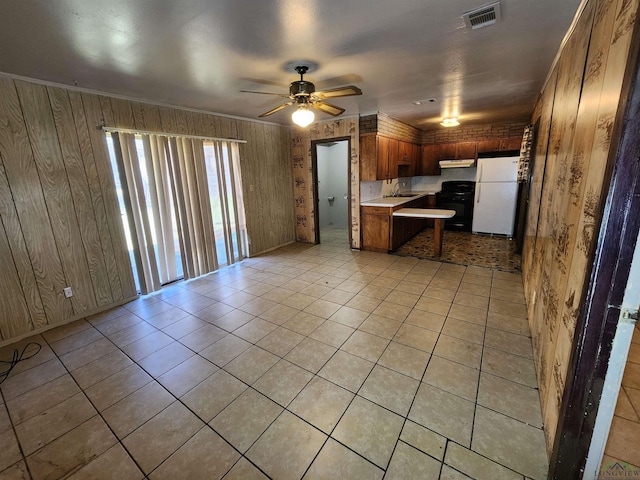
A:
(200, 53)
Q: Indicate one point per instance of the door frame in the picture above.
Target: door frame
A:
(597, 322)
(314, 180)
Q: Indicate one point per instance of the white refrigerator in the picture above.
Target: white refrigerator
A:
(494, 208)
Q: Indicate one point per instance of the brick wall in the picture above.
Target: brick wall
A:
(389, 126)
(369, 124)
(474, 132)
(393, 128)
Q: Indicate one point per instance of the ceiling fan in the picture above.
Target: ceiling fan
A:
(304, 94)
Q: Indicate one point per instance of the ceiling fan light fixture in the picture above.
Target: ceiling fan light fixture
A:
(450, 122)
(303, 117)
(304, 94)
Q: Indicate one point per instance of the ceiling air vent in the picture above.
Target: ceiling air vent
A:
(483, 16)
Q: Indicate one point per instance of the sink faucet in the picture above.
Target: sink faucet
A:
(396, 188)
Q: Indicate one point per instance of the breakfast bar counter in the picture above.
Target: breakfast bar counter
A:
(382, 231)
(438, 215)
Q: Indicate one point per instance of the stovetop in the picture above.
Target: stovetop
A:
(459, 186)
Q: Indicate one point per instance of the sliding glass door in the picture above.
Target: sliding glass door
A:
(226, 201)
(181, 204)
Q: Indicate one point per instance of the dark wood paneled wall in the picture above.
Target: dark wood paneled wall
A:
(60, 223)
(577, 111)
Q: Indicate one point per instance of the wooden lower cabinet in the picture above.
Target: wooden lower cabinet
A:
(376, 227)
(431, 203)
(381, 232)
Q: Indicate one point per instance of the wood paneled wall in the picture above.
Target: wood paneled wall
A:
(303, 174)
(576, 111)
(267, 184)
(60, 223)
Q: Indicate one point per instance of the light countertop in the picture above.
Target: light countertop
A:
(394, 201)
(424, 213)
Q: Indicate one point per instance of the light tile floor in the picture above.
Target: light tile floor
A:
(312, 362)
(623, 444)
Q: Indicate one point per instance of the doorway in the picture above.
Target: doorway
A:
(332, 188)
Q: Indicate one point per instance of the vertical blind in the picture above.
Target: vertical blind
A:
(169, 185)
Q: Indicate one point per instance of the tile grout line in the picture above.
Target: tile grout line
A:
(420, 382)
(344, 412)
(329, 436)
(206, 424)
(98, 412)
(242, 455)
(154, 379)
(484, 339)
(280, 358)
(15, 434)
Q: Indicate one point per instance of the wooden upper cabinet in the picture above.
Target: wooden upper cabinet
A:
(385, 158)
(383, 171)
(466, 150)
(447, 151)
(368, 158)
(429, 160)
(486, 146)
(405, 153)
(394, 154)
(513, 143)
(414, 158)
(409, 159)
(457, 151)
(499, 144)
(388, 149)
(381, 156)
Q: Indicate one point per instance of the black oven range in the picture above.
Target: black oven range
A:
(458, 196)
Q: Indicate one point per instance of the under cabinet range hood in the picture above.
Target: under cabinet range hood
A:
(470, 162)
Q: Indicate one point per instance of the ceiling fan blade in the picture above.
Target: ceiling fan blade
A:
(266, 93)
(277, 109)
(262, 81)
(327, 108)
(349, 78)
(347, 91)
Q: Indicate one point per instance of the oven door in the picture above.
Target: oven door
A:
(462, 205)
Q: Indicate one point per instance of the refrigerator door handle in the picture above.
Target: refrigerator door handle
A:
(480, 172)
(478, 189)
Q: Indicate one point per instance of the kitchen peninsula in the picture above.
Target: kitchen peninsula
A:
(381, 231)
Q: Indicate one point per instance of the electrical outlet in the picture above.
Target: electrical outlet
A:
(68, 293)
